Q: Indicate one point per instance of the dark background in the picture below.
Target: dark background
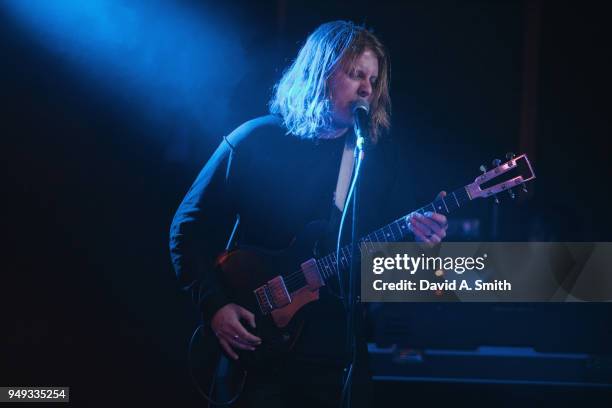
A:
(90, 183)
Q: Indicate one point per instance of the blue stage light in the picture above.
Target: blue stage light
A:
(164, 57)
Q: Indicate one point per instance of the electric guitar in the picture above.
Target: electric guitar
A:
(251, 275)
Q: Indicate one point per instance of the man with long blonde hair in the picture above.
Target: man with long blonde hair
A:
(278, 172)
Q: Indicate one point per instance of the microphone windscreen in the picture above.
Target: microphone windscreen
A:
(361, 104)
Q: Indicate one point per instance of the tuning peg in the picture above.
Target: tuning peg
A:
(511, 193)
(483, 168)
(510, 156)
(496, 162)
(524, 188)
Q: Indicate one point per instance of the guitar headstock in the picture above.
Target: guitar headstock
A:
(504, 176)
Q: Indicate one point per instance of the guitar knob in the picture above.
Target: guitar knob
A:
(483, 168)
(496, 162)
(510, 156)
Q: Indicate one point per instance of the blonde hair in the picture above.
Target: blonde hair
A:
(301, 97)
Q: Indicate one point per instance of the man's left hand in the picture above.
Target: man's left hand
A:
(429, 228)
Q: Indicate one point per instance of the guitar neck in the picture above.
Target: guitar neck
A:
(315, 272)
(392, 232)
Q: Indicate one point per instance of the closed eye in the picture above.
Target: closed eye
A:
(358, 75)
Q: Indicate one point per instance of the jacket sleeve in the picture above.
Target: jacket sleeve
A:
(204, 220)
(201, 224)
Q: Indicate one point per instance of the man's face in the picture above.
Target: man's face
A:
(348, 87)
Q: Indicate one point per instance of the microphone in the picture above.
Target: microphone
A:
(361, 113)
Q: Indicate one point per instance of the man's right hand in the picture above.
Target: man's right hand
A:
(231, 333)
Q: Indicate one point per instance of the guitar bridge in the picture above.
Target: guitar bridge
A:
(272, 295)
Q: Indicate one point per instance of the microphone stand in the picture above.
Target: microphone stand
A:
(353, 301)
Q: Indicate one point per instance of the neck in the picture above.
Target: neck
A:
(333, 133)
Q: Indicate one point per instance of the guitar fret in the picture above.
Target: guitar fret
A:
(404, 226)
(457, 201)
(383, 234)
(389, 234)
(346, 256)
(364, 241)
(465, 194)
(320, 268)
(445, 206)
(330, 267)
(325, 266)
(339, 263)
(328, 271)
(399, 230)
(462, 195)
(439, 207)
(450, 205)
(334, 262)
(371, 244)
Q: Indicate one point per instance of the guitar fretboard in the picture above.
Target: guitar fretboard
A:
(392, 232)
(328, 266)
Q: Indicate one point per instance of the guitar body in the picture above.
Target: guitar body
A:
(245, 269)
(277, 286)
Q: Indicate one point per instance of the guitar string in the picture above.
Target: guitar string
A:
(328, 271)
(461, 196)
(295, 277)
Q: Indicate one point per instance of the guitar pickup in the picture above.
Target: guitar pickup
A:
(272, 295)
(279, 293)
(263, 299)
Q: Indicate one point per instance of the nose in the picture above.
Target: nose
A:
(365, 89)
